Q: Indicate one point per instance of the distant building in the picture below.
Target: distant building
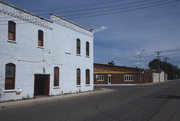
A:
(159, 77)
(40, 56)
(106, 74)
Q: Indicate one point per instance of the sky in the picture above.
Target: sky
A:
(123, 33)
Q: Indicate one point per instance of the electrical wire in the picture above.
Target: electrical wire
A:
(116, 12)
(103, 7)
(115, 9)
(82, 5)
(122, 11)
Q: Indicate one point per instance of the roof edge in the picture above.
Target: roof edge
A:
(90, 30)
(114, 66)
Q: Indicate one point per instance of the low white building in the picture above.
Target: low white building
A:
(159, 77)
(42, 57)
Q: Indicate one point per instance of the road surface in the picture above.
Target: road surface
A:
(159, 102)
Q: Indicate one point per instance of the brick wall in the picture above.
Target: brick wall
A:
(118, 73)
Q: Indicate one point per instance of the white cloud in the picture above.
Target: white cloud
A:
(102, 28)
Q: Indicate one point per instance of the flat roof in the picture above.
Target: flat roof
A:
(114, 66)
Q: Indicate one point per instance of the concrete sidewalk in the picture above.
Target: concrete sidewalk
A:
(124, 85)
(50, 99)
(111, 85)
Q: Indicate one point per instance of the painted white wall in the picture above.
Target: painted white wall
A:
(156, 77)
(59, 50)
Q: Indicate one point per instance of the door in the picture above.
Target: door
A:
(109, 80)
(41, 85)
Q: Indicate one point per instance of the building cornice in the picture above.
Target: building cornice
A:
(69, 24)
(23, 15)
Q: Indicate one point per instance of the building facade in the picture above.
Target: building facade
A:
(106, 74)
(41, 56)
(159, 77)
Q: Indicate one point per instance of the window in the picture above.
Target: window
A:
(56, 76)
(87, 76)
(40, 38)
(11, 30)
(78, 46)
(128, 77)
(10, 76)
(99, 77)
(87, 48)
(78, 76)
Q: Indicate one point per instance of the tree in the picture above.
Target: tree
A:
(172, 70)
(111, 63)
(154, 64)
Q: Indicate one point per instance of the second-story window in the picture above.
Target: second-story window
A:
(11, 30)
(87, 48)
(40, 38)
(78, 46)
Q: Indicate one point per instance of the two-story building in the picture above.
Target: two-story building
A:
(40, 56)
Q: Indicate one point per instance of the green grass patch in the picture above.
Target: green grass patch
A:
(97, 89)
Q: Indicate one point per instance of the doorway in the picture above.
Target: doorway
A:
(109, 79)
(41, 85)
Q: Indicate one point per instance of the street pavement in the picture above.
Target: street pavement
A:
(158, 102)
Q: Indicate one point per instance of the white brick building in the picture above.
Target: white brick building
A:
(42, 57)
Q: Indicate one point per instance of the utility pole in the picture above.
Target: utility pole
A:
(140, 56)
(158, 56)
(140, 67)
(166, 58)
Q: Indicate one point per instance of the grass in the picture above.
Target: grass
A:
(97, 89)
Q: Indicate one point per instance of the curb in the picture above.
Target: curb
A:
(129, 85)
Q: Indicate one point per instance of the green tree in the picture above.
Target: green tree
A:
(172, 70)
(111, 63)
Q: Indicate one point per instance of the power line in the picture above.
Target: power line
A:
(82, 5)
(104, 7)
(172, 50)
(94, 8)
(122, 11)
(108, 13)
(115, 9)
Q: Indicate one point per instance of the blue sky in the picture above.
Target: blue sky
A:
(121, 36)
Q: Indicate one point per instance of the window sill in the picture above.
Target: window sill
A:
(100, 80)
(87, 56)
(78, 85)
(87, 85)
(40, 47)
(56, 87)
(128, 80)
(78, 54)
(9, 91)
(12, 41)
(68, 53)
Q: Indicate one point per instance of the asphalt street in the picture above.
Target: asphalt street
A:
(159, 102)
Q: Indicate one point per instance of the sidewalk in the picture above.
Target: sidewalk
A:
(141, 84)
(50, 99)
